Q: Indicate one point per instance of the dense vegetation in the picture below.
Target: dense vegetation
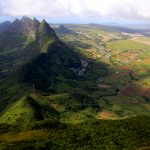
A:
(85, 94)
(45, 70)
(115, 135)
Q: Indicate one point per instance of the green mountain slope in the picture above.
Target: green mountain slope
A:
(45, 70)
(53, 97)
(23, 112)
(23, 41)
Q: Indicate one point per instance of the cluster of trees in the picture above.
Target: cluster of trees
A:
(115, 135)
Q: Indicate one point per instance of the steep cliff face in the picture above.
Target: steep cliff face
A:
(30, 27)
(35, 46)
(55, 61)
(23, 41)
(46, 30)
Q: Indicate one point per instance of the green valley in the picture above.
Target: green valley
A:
(73, 87)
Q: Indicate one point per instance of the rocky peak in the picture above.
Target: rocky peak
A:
(36, 21)
(45, 29)
(25, 19)
(44, 26)
(14, 26)
(32, 28)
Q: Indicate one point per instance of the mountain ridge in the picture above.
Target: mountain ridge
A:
(36, 46)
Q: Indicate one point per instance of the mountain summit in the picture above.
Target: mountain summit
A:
(35, 46)
(22, 41)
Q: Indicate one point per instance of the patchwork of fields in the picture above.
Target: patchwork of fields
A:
(127, 57)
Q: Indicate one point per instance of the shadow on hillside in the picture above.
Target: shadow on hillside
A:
(85, 87)
(79, 97)
(80, 88)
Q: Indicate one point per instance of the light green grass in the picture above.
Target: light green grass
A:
(126, 44)
(23, 113)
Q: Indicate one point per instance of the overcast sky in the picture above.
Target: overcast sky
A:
(80, 10)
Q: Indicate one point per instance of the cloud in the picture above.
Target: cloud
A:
(128, 9)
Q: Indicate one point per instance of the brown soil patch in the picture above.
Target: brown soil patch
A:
(124, 67)
(145, 148)
(22, 136)
(147, 60)
(105, 86)
(107, 115)
(135, 91)
(136, 39)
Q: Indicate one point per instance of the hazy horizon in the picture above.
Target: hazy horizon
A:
(123, 12)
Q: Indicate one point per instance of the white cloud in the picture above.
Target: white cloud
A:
(128, 9)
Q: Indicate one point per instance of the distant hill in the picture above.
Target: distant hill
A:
(4, 26)
(63, 30)
(120, 29)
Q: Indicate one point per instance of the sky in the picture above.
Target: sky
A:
(78, 11)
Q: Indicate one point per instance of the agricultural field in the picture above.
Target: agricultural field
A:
(127, 58)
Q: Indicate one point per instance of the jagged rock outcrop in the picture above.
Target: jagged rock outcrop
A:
(33, 48)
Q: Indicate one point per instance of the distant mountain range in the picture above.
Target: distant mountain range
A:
(61, 29)
(122, 29)
(132, 29)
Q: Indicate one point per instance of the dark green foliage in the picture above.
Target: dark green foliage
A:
(84, 100)
(37, 108)
(45, 70)
(113, 135)
(96, 70)
(10, 91)
(65, 55)
(4, 128)
(62, 111)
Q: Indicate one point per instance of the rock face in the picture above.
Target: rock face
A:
(14, 26)
(33, 48)
(45, 29)
(32, 28)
